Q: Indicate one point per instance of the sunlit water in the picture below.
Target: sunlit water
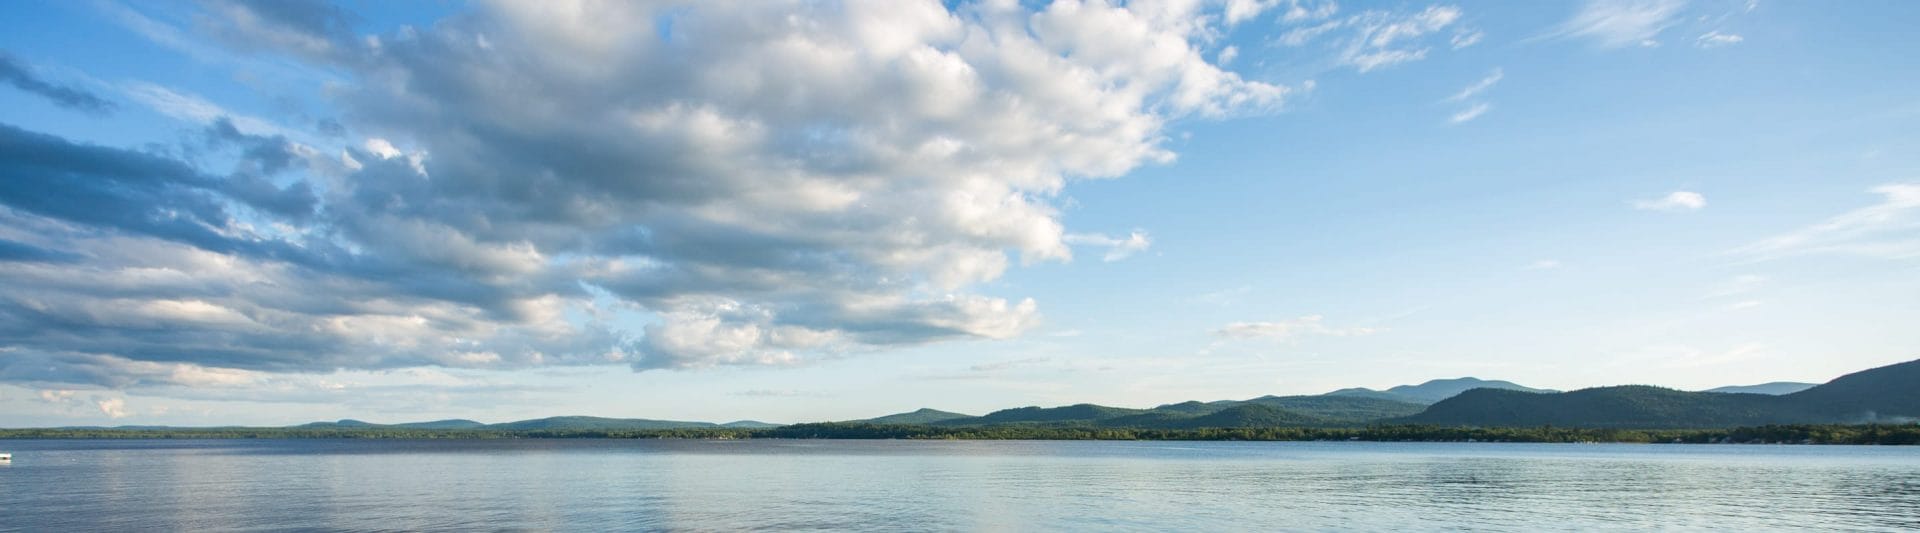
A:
(585, 485)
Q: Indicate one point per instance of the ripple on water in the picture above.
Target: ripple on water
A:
(944, 486)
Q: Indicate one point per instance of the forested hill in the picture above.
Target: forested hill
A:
(1434, 390)
(1889, 394)
(1885, 394)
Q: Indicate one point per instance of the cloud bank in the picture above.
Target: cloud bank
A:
(664, 185)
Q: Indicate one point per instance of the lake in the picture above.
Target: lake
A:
(589, 485)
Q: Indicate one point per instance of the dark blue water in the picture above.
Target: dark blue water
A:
(587, 485)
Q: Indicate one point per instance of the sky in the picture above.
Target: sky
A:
(275, 212)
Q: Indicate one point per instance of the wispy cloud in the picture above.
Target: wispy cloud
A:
(190, 108)
(1378, 39)
(1889, 229)
(1621, 23)
(1715, 39)
(780, 393)
(1223, 296)
(1287, 329)
(1471, 112)
(1467, 38)
(1673, 201)
(1004, 365)
(1492, 78)
(20, 76)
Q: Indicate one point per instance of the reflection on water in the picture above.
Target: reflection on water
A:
(893, 485)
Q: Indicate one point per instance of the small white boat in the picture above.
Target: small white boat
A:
(6, 457)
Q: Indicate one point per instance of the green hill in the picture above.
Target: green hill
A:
(1081, 413)
(1341, 409)
(441, 424)
(1629, 406)
(338, 424)
(1776, 388)
(750, 424)
(1193, 407)
(1433, 390)
(920, 416)
(1886, 394)
(1250, 415)
(598, 423)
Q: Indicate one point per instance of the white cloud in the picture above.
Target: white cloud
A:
(1621, 23)
(1491, 79)
(1224, 296)
(381, 147)
(1117, 248)
(1889, 229)
(1471, 112)
(1307, 10)
(1467, 38)
(1377, 39)
(1287, 329)
(1226, 55)
(769, 183)
(1673, 201)
(1715, 39)
(1381, 41)
(190, 108)
(112, 407)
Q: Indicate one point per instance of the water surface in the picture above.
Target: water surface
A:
(579, 485)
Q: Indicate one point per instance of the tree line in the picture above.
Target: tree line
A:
(1907, 434)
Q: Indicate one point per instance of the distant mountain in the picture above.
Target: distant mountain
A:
(750, 424)
(1347, 409)
(1250, 415)
(1332, 409)
(1776, 388)
(1630, 406)
(1085, 412)
(1889, 393)
(1194, 407)
(598, 423)
(356, 424)
(1886, 394)
(441, 424)
(338, 424)
(918, 417)
(1363, 392)
(1434, 390)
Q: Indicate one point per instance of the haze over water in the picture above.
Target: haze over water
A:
(937, 485)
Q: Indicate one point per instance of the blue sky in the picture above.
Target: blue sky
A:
(265, 213)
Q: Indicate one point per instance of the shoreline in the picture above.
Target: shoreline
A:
(1868, 434)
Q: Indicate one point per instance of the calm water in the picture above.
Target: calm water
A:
(895, 485)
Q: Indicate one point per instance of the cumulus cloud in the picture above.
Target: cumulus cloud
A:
(1889, 229)
(760, 182)
(1673, 201)
(20, 76)
(1622, 23)
(1287, 329)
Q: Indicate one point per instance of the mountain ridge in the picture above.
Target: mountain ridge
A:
(1889, 393)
